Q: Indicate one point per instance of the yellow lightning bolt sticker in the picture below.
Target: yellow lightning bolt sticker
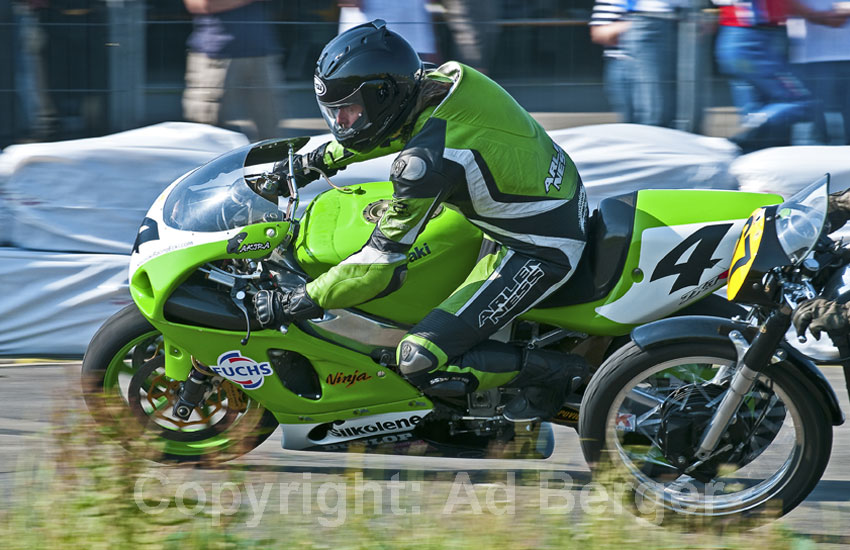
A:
(745, 252)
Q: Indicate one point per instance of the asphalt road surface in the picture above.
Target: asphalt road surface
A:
(31, 394)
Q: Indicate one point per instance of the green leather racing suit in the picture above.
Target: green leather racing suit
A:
(480, 153)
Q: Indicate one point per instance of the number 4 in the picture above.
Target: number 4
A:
(689, 272)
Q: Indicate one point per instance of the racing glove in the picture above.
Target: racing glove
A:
(838, 209)
(274, 308)
(301, 165)
(821, 315)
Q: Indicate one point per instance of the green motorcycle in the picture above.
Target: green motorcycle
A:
(187, 374)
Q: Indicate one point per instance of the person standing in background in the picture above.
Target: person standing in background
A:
(233, 71)
(607, 25)
(751, 50)
(820, 56)
(409, 18)
(7, 73)
(650, 44)
(71, 53)
(473, 28)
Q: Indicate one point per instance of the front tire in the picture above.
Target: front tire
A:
(127, 392)
(624, 424)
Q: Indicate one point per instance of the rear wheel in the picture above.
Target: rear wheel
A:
(645, 411)
(127, 391)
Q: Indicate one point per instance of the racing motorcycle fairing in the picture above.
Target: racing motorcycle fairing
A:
(678, 251)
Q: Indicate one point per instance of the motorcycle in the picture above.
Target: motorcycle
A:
(723, 420)
(187, 374)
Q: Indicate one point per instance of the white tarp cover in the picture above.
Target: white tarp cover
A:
(90, 195)
(786, 170)
(611, 158)
(52, 303)
(620, 158)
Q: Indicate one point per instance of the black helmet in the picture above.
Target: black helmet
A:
(366, 83)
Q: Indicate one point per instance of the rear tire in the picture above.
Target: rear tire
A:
(126, 391)
(602, 427)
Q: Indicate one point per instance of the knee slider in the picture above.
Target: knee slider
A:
(414, 359)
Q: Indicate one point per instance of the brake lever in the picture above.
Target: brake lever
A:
(238, 294)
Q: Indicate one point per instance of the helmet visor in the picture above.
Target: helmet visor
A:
(347, 117)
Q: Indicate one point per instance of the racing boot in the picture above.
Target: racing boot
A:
(546, 379)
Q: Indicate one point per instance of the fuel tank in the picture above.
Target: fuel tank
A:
(336, 225)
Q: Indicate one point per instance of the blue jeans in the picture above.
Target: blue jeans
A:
(650, 43)
(768, 96)
(828, 81)
(617, 78)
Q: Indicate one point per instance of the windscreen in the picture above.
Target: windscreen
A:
(800, 219)
(216, 197)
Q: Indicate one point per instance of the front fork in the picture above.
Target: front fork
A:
(752, 359)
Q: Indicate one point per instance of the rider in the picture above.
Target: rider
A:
(463, 141)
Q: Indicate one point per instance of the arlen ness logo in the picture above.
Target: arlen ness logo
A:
(242, 370)
(527, 276)
(556, 169)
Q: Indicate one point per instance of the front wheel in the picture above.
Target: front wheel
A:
(644, 413)
(126, 390)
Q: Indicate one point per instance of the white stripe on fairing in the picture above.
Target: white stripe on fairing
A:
(496, 273)
(371, 255)
(572, 248)
(483, 203)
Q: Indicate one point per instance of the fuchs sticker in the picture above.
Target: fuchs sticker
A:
(347, 379)
(242, 370)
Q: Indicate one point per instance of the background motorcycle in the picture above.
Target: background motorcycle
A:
(721, 419)
(187, 374)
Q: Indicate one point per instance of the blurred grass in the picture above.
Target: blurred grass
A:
(80, 493)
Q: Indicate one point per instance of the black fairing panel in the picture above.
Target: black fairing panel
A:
(201, 303)
(609, 234)
(698, 328)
